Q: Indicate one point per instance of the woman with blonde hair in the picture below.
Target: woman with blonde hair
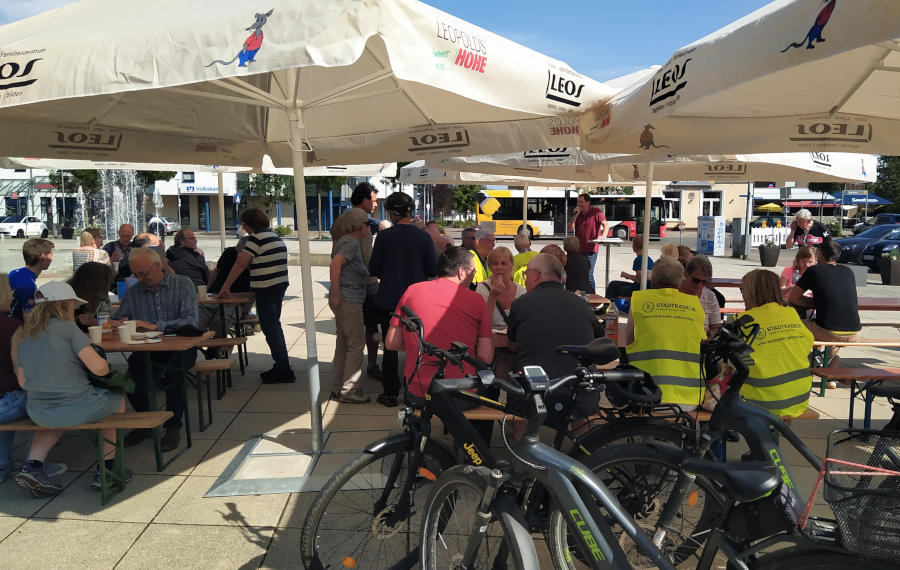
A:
(88, 250)
(58, 390)
(669, 250)
(499, 290)
(779, 378)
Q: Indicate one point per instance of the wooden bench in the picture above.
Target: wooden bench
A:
(239, 342)
(198, 376)
(808, 414)
(109, 478)
(869, 377)
(825, 345)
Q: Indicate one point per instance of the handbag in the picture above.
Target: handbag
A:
(116, 380)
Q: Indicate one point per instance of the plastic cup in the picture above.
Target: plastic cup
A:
(96, 334)
(201, 291)
(125, 333)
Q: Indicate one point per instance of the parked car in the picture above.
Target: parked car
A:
(23, 226)
(874, 250)
(886, 218)
(171, 225)
(852, 247)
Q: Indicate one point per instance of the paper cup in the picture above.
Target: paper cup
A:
(201, 291)
(125, 333)
(96, 334)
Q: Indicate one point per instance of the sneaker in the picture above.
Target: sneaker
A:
(357, 397)
(36, 481)
(388, 401)
(335, 395)
(374, 371)
(53, 469)
(279, 378)
(95, 484)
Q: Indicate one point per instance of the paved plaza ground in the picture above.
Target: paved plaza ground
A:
(163, 519)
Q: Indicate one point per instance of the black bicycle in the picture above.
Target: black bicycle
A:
(365, 512)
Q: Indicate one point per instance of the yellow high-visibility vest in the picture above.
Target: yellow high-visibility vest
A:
(779, 379)
(482, 273)
(668, 328)
(521, 260)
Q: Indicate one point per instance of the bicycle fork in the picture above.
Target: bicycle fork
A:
(482, 518)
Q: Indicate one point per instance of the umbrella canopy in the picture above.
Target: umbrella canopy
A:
(386, 169)
(771, 208)
(579, 165)
(419, 173)
(860, 197)
(796, 75)
(315, 82)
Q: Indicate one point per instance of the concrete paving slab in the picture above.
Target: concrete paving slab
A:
(296, 510)
(220, 423)
(234, 399)
(141, 459)
(9, 524)
(189, 547)
(189, 506)
(273, 466)
(218, 457)
(66, 544)
(333, 421)
(141, 501)
(18, 502)
(288, 401)
(284, 551)
(250, 424)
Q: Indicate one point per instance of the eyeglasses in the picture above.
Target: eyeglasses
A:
(142, 274)
(699, 281)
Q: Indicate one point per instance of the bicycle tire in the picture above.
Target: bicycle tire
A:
(357, 532)
(641, 478)
(449, 518)
(631, 431)
(816, 559)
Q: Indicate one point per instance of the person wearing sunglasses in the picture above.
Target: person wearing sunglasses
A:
(697, 274)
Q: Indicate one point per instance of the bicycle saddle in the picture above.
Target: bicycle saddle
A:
(746, 481)
(598, 351)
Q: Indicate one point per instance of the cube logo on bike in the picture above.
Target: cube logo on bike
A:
(776, 461)
(588, 537)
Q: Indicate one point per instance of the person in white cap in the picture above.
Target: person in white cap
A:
(58, 391)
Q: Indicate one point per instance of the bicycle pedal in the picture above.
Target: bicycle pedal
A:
(823, 531)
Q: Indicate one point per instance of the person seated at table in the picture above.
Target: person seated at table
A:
(88, 251)
(499, 291)
(185, 259)
(805, 258)
(577, 267)
(833, 290)
(208, 315)
(558, 253)
(162, 302)
(697, 274)
(684, 254)
(91, 282)
(484, 243)
(523, 253)
(617, 289)
(441, 240)
(779, 378)
(143, 240)
(669, 250)
(664, 330)
(58, 391)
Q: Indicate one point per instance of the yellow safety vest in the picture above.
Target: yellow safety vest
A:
(482, 273)
(519, 276)
(520, 260)
(779, 379)
(668, 328)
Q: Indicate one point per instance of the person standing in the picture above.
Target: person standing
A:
(589, 224)
(402, 255)
(38, 255)
(118, 250)
(805, 231)
(364, 199)
(349, 276)
(266, 256)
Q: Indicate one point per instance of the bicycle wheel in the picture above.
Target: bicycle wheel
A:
(356, 517)
(642, 479)
(450, 517)
(632, 431)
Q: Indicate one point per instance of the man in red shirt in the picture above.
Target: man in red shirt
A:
(588, 224)
(449, 312)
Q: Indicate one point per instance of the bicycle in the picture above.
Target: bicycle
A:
(365, 511)
(656, 484)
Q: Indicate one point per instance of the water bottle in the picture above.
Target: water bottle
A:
(611, 319)
(102, 317)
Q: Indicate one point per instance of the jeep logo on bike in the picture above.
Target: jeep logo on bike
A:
(470, 449)
(563, 90)
(452, 138)
(836, 132)
(77, 139)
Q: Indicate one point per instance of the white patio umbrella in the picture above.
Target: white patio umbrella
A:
(795, 75)
(419, 173)
(386, 169)
(316, 82)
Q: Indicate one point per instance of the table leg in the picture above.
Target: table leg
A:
(855, 390)
(151, 401)
(187, 420)
(223, 326)
(867, 418)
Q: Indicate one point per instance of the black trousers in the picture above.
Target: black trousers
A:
(170, 381)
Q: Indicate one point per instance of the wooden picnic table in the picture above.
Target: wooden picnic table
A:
(725, 282)
(235, 300)
(878, 303)
(862, 380)
(181, 344)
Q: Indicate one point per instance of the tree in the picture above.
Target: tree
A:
(888, 184)
(90, 182)
(443, 199)
(266, 188)
(610, 190)
(465, 198)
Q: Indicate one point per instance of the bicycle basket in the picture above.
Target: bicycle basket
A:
(862, 486)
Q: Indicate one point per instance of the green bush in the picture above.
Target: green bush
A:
(834, 228)
(282, 231)
(462, 223)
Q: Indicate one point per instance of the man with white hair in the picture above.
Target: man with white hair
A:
(484, 243)
(805, 231)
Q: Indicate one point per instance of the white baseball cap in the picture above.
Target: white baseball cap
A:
(57, 291)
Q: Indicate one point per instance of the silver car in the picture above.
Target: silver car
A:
(170, 224)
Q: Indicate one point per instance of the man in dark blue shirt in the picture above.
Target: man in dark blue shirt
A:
(38, 254)
(402, 255)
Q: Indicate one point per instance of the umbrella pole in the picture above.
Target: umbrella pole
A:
(221, 213)
(525, 210)
(647, 204)
(306, 280)
(745, 249)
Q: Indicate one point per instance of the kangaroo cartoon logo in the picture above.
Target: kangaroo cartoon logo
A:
(815, 32)
(251, 44)
(647, 139)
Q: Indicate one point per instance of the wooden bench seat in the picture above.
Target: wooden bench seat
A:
(198, 376)
(239, 342)
(808, 414)
(861, 380)
(110, 479)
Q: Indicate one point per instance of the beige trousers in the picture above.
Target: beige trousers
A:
(346, 369)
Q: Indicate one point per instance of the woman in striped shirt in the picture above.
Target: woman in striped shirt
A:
(266, 256)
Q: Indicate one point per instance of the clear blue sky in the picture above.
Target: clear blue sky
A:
(600, 38)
